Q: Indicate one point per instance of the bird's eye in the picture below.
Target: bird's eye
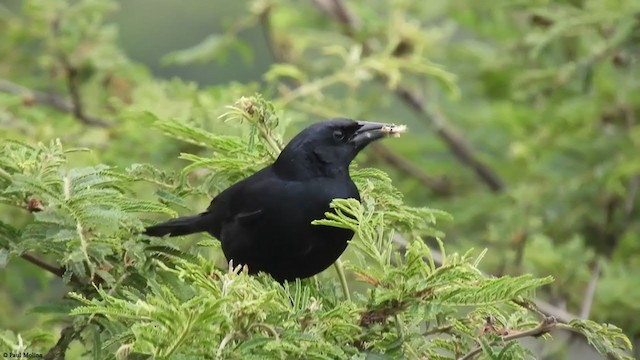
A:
(338, 135)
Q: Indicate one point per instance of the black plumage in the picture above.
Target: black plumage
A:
(264, 220)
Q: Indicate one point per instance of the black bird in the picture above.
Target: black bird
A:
(264, 220)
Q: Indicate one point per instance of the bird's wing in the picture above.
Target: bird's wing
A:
(246, 218)
(257, 197)
(238, 203)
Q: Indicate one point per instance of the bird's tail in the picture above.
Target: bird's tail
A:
(179, 226)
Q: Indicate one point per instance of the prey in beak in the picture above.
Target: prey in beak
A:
(371, 131)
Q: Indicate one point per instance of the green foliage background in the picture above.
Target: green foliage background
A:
(542, 95)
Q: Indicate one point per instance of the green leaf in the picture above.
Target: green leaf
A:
(213, 47)
(607, 339)
(279, 71)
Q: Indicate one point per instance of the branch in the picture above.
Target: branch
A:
(590, 292)
(338, 10)
(59, 272)
(544, 327)
(265, 23)
(438, 185)
(73, 88)
(561, 314)
(456, 143)
(58, 351)
(632, 195)
(53, 101)
(71, 74)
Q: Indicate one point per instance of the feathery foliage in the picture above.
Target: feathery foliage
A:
(544, 93)
(167, 303)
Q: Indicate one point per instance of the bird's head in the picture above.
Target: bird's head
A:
(326, 149)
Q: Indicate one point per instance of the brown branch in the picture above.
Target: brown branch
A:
(53, 101)
(76, 106)
(73, 85)
(73, 89)
(632, 195)
(456, 143)
(71, 75)
(265, 24)
(438, 185)
(338, 10)
(544, 327)
(531, 306)
(58, 351)
(59, 272)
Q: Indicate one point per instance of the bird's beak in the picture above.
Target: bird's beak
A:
(372, 131)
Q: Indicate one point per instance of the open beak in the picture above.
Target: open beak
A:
(372, 131)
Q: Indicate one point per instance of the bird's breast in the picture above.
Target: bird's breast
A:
(280, 238)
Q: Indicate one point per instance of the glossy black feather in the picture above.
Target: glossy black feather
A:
(264, 220)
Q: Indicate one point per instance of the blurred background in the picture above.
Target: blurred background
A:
(523, 115)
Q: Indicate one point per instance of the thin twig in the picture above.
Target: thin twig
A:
(51, 100)
(531, 306)
(338, 10)
(73, 82)
(544, 327)
(59, 272)
(73, 88)
(456, 143)
(343, 279)
(632, 195)
(438, 330)
(590, 291)
(438, 185)
(267, 32)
